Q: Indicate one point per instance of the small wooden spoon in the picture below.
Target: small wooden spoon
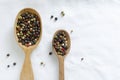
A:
(61, 57)
(27, 73)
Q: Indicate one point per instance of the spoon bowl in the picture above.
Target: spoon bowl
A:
(27, 73)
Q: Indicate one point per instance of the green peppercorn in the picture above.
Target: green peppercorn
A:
(19, 17)
(62, 13)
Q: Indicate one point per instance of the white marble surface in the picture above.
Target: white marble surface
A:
(95, 37)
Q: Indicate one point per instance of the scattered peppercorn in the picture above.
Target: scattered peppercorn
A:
(8, 66)
(51, 17)
(50, 53)
(62, 13)
(60, 43)
(41, 63)
(8, 55)
(82, 59)
(28, 29)
(14, 64)
(56, 18)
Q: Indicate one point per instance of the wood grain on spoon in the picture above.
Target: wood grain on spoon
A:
(24, 37)
(61, 47)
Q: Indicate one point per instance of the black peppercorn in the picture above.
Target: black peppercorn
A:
(50, 53)
(82, 59)
(41, 63)
(8, 55)
(14, 64)
(8, 66)
(56, 18)
(51, 17)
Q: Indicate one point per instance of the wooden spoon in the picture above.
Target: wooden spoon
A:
(27, 73)
(61, 57)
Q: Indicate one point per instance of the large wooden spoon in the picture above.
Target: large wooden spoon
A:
(27, 72)
(61, 47)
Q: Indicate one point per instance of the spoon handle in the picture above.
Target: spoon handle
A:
(27, 73)
(61, 68)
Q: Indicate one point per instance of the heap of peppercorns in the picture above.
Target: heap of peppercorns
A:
(60, 43)
(28, 29)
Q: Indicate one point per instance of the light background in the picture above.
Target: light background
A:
(95, 37)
